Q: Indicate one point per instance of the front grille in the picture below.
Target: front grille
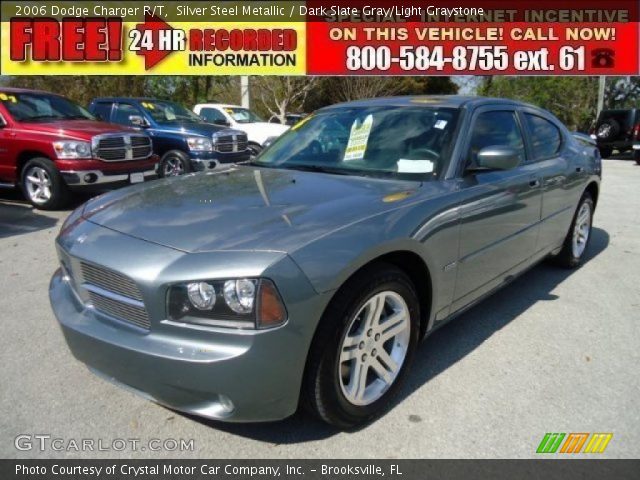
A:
(120, 148)
(230, 143)
(112, 293)
(120, 310)
(110, 280)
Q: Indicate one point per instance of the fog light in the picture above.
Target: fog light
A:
(90, 177)
(201, 295)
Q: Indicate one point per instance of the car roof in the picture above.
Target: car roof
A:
(223, 105)
(134, 99)
(439, 101)
(26, 90)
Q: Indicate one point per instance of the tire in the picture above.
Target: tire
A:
(43, 185)
(255, 149)
(608, 129)
(573, 251)
(174, 163)
(329, 389)
(605, 152)
(636, 156)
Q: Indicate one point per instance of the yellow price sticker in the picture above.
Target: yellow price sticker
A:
(8, 98)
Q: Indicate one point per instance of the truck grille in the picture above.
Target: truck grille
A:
(121, 148)
(230, 143)
(113, 294)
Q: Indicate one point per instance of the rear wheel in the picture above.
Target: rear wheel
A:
(636, 156)
(174, 163)
(363, 347)
(43, 185)
(577, 239)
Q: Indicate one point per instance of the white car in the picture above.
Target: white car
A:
(240, 118)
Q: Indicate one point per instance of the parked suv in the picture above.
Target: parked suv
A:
(234, 116)
(184, 142)
(50, 146)
(618, 130)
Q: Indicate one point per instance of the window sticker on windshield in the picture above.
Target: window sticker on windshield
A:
(8, 98)
(415, 166)
(301, 122)
(148, 105)
(169, 114)
(440, 124)
(358, 139)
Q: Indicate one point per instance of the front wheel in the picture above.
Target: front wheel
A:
(636, 156)
(605, 152)
(174, 163)
(43, 185)
(577, 239)
(363, 347)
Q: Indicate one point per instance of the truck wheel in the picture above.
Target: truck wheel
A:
(255, 150)
(174, 163)
(363, 347)
(608, 129)
(577, 239)
(43, 185)
(636, 156)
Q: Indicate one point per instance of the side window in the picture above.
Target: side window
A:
(545, 137)
(212, 115)
(491, 129)
(102, 111)
(122, 113)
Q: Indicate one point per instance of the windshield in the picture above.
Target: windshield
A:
(243, 115)
(402, 142)
(42, 107)
(169, 112)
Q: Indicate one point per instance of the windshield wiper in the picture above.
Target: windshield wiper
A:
(317, 168)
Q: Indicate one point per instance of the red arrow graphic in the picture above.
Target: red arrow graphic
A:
(153, 56)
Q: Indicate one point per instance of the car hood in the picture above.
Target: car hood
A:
(243, 208)
(192, 128)
(73, 129)
(264, 129)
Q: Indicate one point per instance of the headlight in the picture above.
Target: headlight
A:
(199, 144)
(72, 149)
(236, 303)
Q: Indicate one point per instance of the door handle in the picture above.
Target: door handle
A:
(534, 183)
(579, 169)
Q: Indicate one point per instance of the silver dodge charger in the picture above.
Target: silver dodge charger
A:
(310, 275)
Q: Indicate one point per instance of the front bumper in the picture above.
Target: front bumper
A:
(192, 369)
(201, 161)
(85, 178)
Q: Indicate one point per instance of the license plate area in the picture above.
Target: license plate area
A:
(136, 177)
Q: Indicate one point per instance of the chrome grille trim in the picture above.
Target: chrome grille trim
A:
(120, 310)
(230, 143)
(110, 281)
(121, 147)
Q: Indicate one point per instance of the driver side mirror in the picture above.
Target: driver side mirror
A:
(138, 121)
(496, 158)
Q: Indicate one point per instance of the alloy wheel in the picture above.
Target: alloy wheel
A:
(38, 183)
(581, 230)
(374, 348)
(173, 166)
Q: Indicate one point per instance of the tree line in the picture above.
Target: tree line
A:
(572, 99)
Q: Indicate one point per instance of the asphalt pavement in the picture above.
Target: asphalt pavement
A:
(555, 351)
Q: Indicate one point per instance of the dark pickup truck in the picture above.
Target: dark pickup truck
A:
(49, 146)
(184, 142)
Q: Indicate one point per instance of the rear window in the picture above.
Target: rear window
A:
(546, 138)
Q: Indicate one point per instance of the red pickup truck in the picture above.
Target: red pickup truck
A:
(50, 146)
